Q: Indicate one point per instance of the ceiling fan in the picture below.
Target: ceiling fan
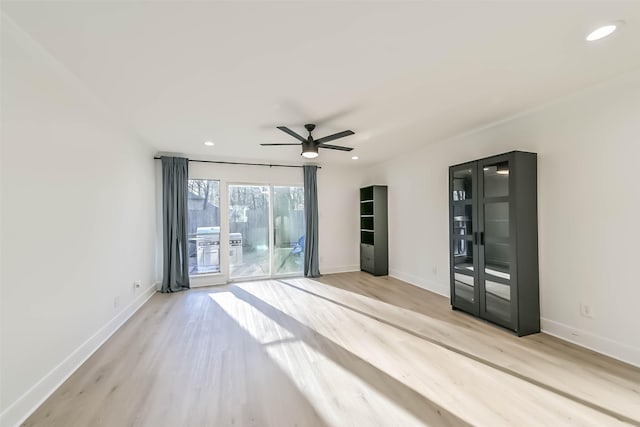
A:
(309, 145)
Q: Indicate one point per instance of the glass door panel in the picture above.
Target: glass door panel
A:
(462, 184)
(495, 241)
(464, 287)
(497, 250)
(249, 252)
(463, 254)
(496, 179)
(288, 230)
(498, 299)
(463, 224)
(496, 259)
(203, 199)
(496, 220)
(462, 219)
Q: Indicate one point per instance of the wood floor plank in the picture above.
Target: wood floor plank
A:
(344, 350)
(557, 365)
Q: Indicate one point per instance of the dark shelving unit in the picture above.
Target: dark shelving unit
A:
(374, 253)
(493, 228)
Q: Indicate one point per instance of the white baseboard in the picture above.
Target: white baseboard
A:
(420, 282)
(339, 269)
(26, 404)
(207, 280)
(597, 343)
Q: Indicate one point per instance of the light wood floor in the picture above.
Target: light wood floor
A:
(345, 350)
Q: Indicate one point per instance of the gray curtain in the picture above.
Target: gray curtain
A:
(311, 264)
(175, 173)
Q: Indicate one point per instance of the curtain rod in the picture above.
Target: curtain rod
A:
(242, 163)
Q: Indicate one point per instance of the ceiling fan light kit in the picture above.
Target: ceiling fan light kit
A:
(309, 145)
(309, 150)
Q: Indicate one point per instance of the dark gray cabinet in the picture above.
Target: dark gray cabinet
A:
(493, 229)
(374, 252)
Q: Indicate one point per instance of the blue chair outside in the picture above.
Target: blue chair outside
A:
(299, 247)
(297, 250)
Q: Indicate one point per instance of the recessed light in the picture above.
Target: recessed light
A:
(355, 158)
(209, 143)
(602, 32)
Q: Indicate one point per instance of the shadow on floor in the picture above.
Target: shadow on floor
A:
(413, 402)
(454, 349)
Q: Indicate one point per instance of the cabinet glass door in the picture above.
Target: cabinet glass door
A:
(462, 221)
(496, 245)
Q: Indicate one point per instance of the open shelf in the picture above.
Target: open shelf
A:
(366, 208)
(366, 237)
(366, 193)
(374, 256)
(366, 223)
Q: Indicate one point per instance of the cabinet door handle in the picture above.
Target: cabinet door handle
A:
(482, 238)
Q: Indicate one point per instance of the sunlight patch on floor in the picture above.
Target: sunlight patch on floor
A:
(329, 385)
(445, 377)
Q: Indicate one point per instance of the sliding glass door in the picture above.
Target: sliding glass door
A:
(288, 228)
(249, 251)
(266, 230)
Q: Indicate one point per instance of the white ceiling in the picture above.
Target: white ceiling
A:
(400, 75)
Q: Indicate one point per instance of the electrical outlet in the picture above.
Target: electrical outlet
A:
(586, 310)
(137, 284)
(116, 301)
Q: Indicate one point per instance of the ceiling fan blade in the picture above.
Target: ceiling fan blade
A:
(334, 136)
(335, 147)
(293, 143)
(292, 133)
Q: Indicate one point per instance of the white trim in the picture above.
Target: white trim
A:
(26, 404)
(288, 275)
(597, 343)
(204, 280)
(205, 275)
(428, 285)
(339, 269)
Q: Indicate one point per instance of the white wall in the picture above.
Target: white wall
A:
(339, 218)
(589, 202)
(77, 224)
(338, 205)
